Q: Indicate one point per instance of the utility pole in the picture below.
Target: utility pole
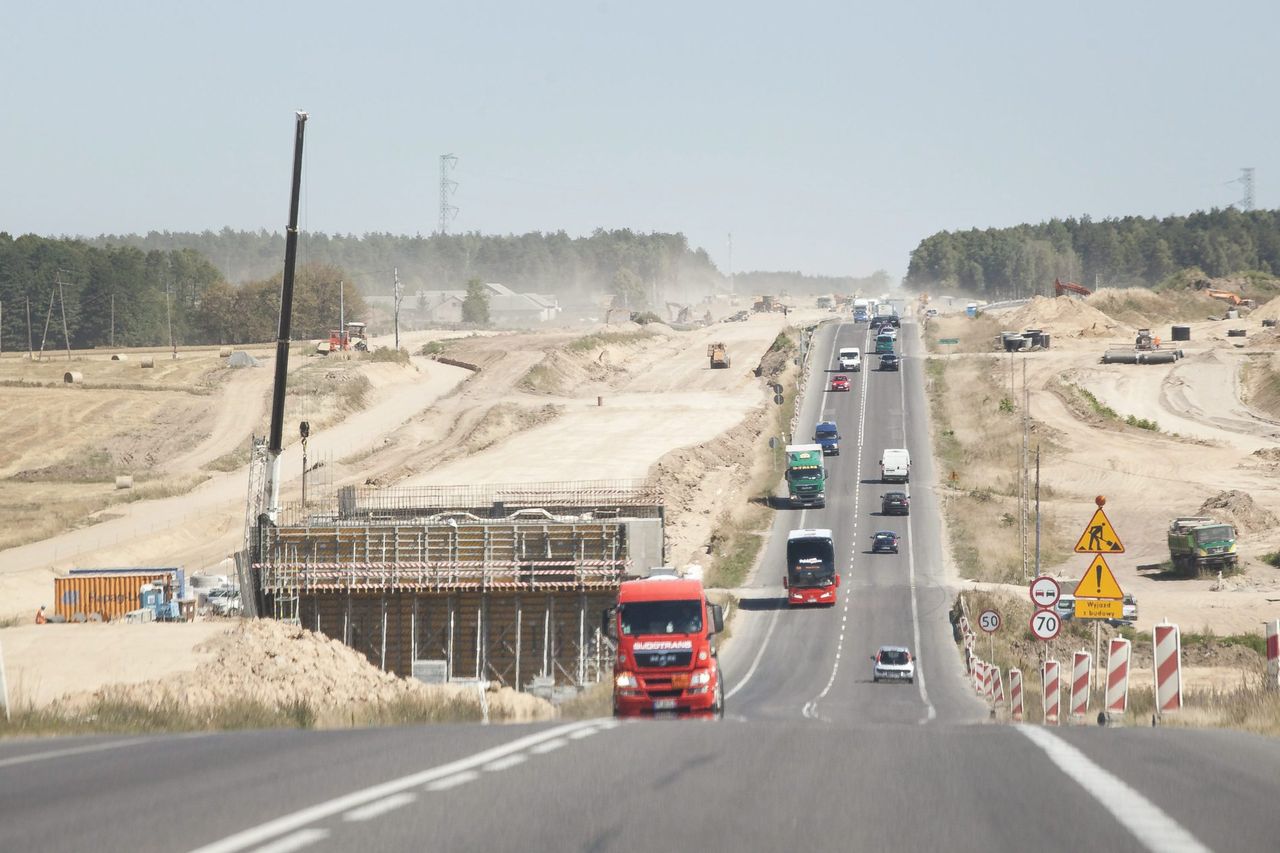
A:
(342, 318)
(113, 319)
(62, 303)
(732, 289)
(395, 271)
(1246, 178)
(1026, 476)
(168, 316)
(448, 187)
(1037, 510)
(30, 348)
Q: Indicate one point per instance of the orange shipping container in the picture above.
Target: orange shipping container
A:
(109, 596)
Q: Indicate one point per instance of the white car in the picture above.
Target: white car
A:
(893, 663)
(224, 601)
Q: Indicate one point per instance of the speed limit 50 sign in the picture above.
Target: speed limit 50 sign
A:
(989, 621)
(1045, 624)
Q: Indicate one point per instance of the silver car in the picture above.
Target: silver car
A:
(893, 663)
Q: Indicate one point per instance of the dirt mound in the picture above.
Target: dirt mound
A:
(277, 665)
(505, 420)
(1238, 508)
(1140, 307)
(1063, 317)
(1267, 311)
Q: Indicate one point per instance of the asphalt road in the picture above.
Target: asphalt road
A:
(812, 756)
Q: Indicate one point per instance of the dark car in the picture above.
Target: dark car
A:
(890, 361)
(884, 542)
(895, 503)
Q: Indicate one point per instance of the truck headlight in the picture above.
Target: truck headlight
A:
(702, 676)
(626, 679)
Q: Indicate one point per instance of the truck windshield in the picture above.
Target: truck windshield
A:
(809, 473)
(661, 617)
(810, 561)
(1217, 533)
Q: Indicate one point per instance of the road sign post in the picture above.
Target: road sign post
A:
(989, 621)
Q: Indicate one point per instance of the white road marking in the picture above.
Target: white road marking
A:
(513, 760)
(810, 708)
(773, 623)
(294, 841)
(581, 733)
(931, 712)
(452, 781)
(549, 746)
(380, 807)
(1148, 822)
(296, 820)
(62, 753)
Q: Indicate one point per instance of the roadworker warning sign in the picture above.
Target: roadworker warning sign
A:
(1098, 582)
(1099, 537)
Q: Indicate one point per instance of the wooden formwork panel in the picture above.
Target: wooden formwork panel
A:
(511, 637)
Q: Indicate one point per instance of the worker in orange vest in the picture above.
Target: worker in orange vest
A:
(40, 617)
(1156, 341)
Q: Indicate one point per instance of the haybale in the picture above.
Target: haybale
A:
(73, 377)
(148, 361)
(119, 357)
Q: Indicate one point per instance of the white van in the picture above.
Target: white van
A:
(850, 359)
(895, 465)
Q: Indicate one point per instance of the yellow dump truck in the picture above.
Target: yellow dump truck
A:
(718, 354)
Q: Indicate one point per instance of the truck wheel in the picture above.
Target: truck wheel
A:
(718, 708)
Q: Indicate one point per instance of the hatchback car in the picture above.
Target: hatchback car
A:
(895, 503)
(893, 663)
(889, 361)
(884, 542)
(840, 383)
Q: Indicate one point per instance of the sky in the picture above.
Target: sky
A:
(828, 138)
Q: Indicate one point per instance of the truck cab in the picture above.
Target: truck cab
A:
(666, 660)
(827, 435)
(806, 475)
(811, 568)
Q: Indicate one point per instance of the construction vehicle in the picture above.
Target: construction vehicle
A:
(1144, 341)
(719, 355)
(811, 568)
(1197, 543)
(1228, 296)
(763, 304)
(806, 475)
(666, 661)
(679, 313)
(1069, 288)
(353, 337)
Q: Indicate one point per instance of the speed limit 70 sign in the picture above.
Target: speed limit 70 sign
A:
(1045, 624)
(989, 621)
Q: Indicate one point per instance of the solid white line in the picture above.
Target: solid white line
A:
(294, 841)
(1147, 821)
(931, 712)
(380, 807)
(296, 820)
(452, 781)
(773, 623)
(512, 760)
(60, 753)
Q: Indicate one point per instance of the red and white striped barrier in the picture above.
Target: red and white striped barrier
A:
(1117, 701)
(1081, 669)
(1168, 668)
(1015, 695)
(998, 687)
(977, 675)
(1273, 654)
(989, 682)
(1050, 678)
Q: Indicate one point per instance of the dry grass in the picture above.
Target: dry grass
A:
(976, 334)
(1261, 384)
(595, 701)
(1141, 307)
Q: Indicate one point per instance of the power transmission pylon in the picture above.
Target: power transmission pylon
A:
(1246, 178)
(447, 188)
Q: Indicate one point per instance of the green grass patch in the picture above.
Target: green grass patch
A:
(432, 348)
(1272, 559)
(232, 461)
(1142, 423)
(596, 340)
(390, 354)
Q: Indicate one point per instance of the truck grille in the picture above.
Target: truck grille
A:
(664, 658)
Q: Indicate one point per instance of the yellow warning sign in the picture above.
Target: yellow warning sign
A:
(1098, 582)
(1087, 608)
(1099, 537)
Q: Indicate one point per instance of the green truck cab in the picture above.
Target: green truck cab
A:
(1197, 543)
(806, 475)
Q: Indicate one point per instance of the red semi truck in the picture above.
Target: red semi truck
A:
(811, 567)
(666, 661)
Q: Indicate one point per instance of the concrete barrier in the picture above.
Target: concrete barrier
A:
(1167, 642)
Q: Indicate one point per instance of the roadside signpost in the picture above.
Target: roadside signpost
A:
(950, 342)
(989, 621)
(1045, 624)
(1098, 595)
(1045, 592)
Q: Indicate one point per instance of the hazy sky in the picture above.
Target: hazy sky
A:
(827, 137)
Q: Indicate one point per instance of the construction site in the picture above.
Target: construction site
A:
(491, 584)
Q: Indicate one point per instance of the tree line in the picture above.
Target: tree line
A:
(1130, 251)
(124, 296)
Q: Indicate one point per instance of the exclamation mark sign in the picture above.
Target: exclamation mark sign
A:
(1098, 574)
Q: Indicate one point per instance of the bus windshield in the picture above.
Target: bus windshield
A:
(810, 562)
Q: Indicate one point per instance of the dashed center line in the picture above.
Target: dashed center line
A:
(380, 807)
(294, 841)
(452, 781)
(548, 746)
